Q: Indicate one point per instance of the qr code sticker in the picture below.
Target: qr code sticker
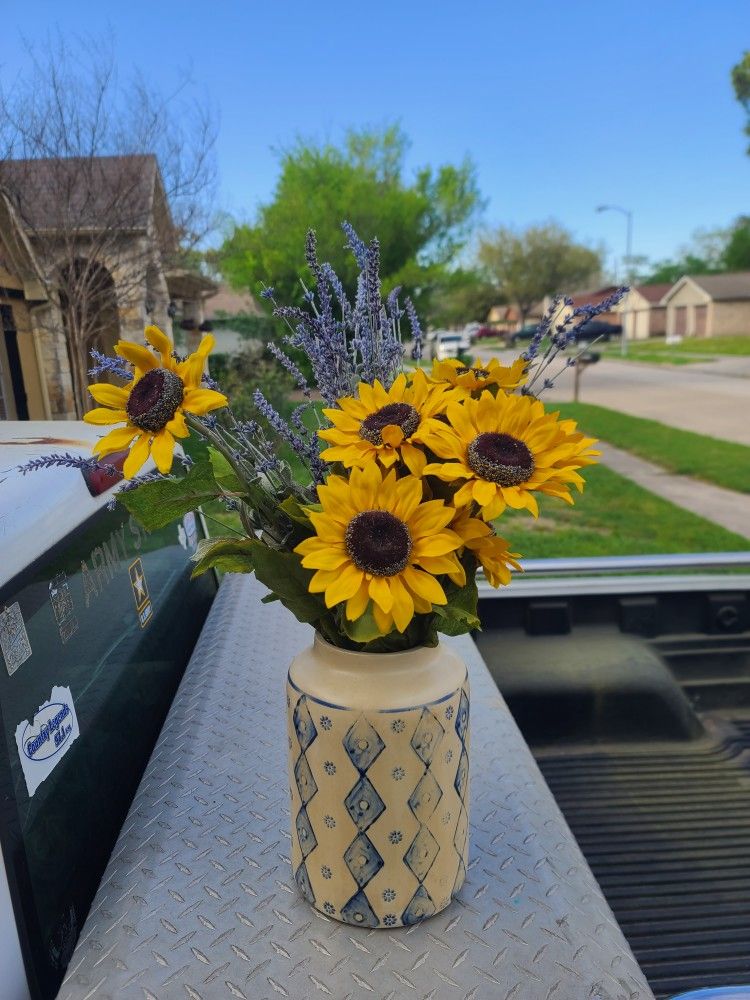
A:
(14, 640)
(62, 605)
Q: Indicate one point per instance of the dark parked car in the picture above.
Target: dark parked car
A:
(598, 329)
(525, 333)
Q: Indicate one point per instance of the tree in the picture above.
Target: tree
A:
(541, 260)
(421, 224)
(736, 254)
(741, 83)
(464, 296)
(80, 156)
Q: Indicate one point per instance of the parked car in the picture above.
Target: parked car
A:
(449, 344)
(525, 333)
(598, 329)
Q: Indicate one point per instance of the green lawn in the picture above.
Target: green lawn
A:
(690, 351)
(613, 517)
(721, 462)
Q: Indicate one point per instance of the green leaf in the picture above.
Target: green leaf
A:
(230, 554)
(459, 615)
(295, 512)
(283, 573)
(224, 474)
(163, 501)
(363, 630)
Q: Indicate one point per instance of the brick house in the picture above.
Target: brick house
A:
(109, 216)
(642, 312)
(708, 305)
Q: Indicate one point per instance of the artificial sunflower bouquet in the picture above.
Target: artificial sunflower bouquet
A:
(402, 473)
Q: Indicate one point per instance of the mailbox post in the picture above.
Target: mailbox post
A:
(584, 359)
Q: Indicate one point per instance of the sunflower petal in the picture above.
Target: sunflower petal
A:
(423, 585)
(177, 426)
(101, 417)
(162, 451)
(117, 440)
(141, 357)
(161, 342)
(380, 592)
(345, 586)
(109, 395)
(137, 457)
(200, 401)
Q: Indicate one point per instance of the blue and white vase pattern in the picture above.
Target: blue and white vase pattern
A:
(379, 807)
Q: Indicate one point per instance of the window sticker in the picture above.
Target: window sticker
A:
(187, 533)
(43, 742)
(140, 593)
(14, 639)
(62, 605)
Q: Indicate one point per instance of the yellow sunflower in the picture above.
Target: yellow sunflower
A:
(385, 425)
(490, 549)
(154, 404)
(507, 448)
(376, 542)
(479, 376)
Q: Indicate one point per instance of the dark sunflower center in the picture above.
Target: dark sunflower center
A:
(401, 414)
(154, 399)
(378, 542)
(501, 459)
(477, 372)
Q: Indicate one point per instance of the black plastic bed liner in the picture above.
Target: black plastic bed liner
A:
(667, 834)
(643, 735)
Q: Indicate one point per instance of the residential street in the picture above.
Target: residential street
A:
(708, 397)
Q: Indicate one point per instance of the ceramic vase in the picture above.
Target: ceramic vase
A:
(379, 780)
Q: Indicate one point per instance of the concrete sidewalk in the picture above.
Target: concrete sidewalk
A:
(725, 507)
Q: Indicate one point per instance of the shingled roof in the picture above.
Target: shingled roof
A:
(724, 287)
(82, 192)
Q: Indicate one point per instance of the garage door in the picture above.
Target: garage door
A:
(701, 318)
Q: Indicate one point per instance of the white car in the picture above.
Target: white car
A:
(449, 344)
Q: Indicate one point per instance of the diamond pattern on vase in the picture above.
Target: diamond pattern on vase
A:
(462, 717)
(363, 744)
(400, 779)
(363, 860)
(421, 854)
(358, 911)
(363, 804)
(420, 906)
(462, 775)
(304, 777)
(427, 736)
(305, 834)
(303, 724)
(303, 883)
(425, 797)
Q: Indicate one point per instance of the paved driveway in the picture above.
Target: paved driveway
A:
(710, 398)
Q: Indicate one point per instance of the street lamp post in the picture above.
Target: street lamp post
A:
(629, 258)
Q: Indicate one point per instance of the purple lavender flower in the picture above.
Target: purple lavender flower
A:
(118, 367)
(67, 461)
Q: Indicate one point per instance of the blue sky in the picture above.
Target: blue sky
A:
(562, 105)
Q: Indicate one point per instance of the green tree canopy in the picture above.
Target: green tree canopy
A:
(528, 264)
(741, 84)
(421, 223)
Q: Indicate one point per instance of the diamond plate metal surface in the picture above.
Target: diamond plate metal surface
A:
(199, 902)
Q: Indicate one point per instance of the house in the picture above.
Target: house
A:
(642, 312)
(220, 308)
(98, 226)
(592, 297)
(709, 305)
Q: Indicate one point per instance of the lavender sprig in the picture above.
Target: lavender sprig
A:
(118, 367)
(286, 362)
(67, 461)
(562, 336)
